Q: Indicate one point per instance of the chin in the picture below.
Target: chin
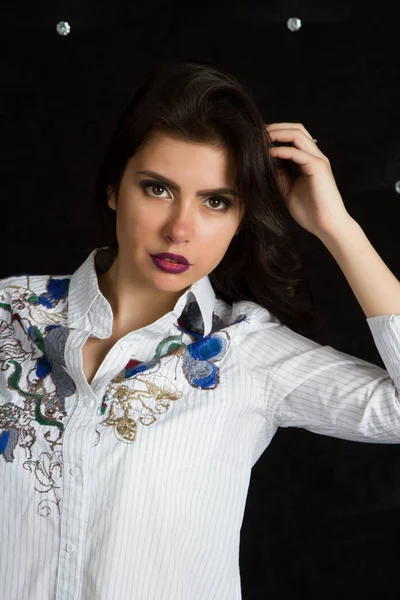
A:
(168, 282)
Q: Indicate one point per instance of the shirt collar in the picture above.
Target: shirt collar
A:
(88, 309)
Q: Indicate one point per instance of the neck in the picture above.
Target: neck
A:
(133, 305)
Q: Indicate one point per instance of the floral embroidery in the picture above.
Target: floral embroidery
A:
(35, 370)
(48, 470)
(41, 404)
(148, 400)
(198, 358)
(57, 290)
(143, 404)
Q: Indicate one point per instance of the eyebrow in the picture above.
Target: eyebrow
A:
(176, 187)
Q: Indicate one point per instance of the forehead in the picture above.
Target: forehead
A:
(172, 152)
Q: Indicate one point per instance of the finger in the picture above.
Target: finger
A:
(300, 157)
(275, 126)
(296, 137)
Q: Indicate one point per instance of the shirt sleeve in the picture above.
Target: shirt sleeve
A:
(328, 392)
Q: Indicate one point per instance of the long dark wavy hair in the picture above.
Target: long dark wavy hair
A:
(198, 102)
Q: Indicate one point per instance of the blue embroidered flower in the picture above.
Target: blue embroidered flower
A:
(198, 358)
(8, 441)
(57, 289)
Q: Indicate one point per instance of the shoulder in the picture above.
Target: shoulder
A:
(14, 285)
(261, 339)
(253, 316)
(17, 292)
(245, 322)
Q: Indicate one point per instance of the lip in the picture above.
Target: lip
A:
(169, 267)
(181, 259)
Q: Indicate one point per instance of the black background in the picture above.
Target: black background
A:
(322, 516)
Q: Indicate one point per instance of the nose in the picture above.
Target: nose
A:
(180, 225)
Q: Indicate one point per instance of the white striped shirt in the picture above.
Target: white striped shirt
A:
(134, 487)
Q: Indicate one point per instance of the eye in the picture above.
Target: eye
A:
(151, 184)
(146, 184)
(220, 199)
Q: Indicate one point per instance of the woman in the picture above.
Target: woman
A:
(138, 392)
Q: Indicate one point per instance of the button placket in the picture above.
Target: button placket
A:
(77, 446)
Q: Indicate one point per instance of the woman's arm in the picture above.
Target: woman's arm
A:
(374, 285)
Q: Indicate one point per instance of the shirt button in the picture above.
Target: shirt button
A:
(74, 471)
(70, 547)
(124, 347)
(88, 402)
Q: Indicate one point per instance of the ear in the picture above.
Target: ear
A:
(111, 198)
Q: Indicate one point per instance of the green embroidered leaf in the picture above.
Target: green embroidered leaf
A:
(168, 345)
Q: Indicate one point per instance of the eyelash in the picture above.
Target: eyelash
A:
(149, 183)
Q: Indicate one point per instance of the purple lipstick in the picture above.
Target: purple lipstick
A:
(176, 263)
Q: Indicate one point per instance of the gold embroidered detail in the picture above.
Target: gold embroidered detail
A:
(129, 407)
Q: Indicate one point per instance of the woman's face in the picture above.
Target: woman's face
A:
(154, 216)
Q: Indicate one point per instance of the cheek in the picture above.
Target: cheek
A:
(220, 233)
(137, 218)
(215, 242)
